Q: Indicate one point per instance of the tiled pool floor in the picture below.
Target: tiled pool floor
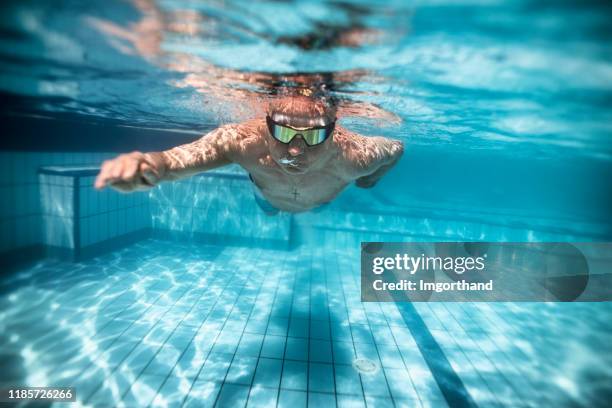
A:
(164, 323)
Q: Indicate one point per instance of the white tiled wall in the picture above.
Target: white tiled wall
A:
(106, 214)
(21, 216)
(56, 203)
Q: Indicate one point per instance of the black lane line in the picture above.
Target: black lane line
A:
(449, 382)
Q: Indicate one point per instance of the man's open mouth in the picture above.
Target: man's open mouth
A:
(289, 162)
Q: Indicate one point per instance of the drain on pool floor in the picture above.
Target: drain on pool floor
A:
(365, 366)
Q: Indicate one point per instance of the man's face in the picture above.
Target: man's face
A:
(297, 157)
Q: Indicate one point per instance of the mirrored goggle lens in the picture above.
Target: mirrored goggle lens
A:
(311, 136)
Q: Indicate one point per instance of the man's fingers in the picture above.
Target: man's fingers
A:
(103, 177)
(100, 182)
(129, 170)
(110, 173)
(116, 170)
(105, 180)
(149, 175)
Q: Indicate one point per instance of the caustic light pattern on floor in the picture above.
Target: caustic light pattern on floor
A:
(169, 324)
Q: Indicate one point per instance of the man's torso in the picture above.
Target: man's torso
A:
(289, 192)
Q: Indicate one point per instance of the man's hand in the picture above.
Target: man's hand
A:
(130, 172)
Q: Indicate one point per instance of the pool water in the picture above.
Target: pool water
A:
(167, 324)
(191, 296)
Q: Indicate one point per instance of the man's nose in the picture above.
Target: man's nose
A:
(297, 146)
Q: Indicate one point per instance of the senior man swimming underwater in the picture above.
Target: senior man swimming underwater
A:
(298, 158)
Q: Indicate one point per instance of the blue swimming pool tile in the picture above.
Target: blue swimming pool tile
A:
(478, 389)
(242, 370)
(257, 326)
(425, 384)
(367, 350)
(382, 334)
(236, 323)
(341, 331)
(356, 315)
(317, 399)
(321, 377)
(227, 342)
(320, 351)
(194, 318)
(268, 373)
(191, 362)
(361, 334)
(135, 332)
(114, 327)
(220, 312)
(377, 319)
(172, 393)
(273, 346)
(379, 402)
(215, 368)
(352, 401)
(113, 388)
(433, 403)
(203, 394)
(278, 326)
(282, 305)
(140, 357)
(206, 338)
(503, 391)
(143, 390)
(300, 306)
(295, 375)
(347, 380)
(403, 337)
(375, 385)
(164, 361)
(298, 327)
(400, 384)
(233, 395)
(319, 329)
(158, 335)
(153, 314)
(292, 399)
(390, 356)
(250, 345)
(262, 397)
(117, 352)
(181, 337)
(344, 352)
(297, 349)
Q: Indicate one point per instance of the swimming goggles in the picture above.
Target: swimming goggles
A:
(312, 135)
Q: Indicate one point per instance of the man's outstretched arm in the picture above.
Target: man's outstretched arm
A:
(139, 171)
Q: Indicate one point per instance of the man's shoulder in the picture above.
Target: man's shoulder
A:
(351, 151)
(350, 145)
(241, 138)
(359, 154)
(235, 132)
